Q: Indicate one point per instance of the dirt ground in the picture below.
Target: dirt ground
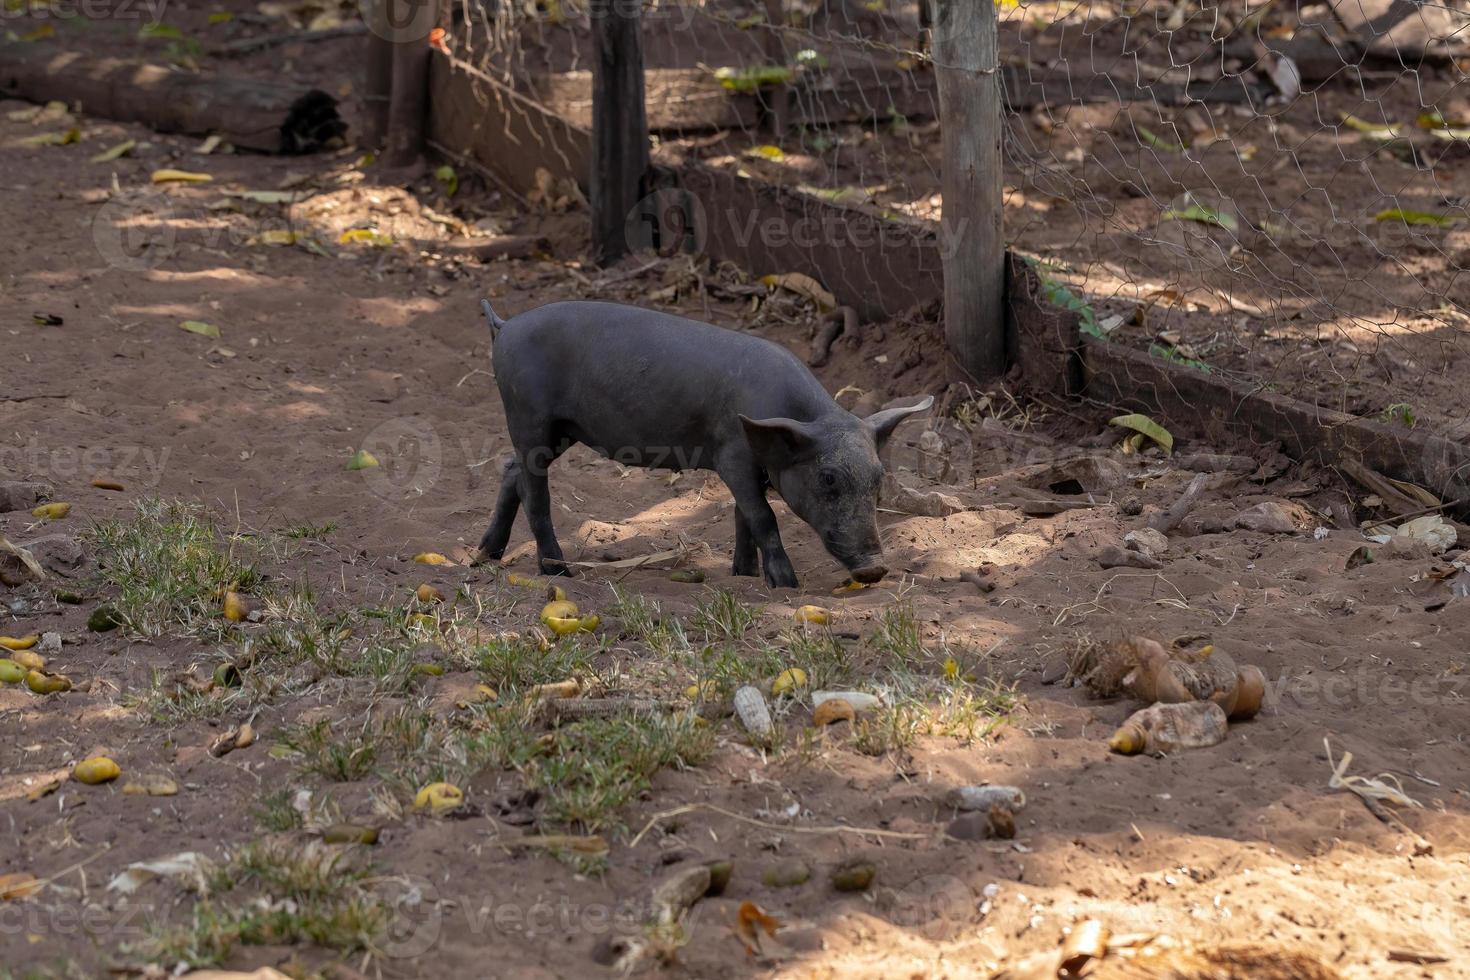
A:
(325, 352)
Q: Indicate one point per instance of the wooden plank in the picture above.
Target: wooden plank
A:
(619, 126)
(502, 130)
(1043, 341)
(677, 100)
(879, 267)
(966, 57)
(1211, 406)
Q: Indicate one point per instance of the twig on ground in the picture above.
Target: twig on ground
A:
(1166, 521)
(658, 818)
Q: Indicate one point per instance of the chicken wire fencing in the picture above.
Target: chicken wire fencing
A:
(1272, 193)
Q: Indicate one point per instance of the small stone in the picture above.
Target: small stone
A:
(1147, 541)
(1113, 556)
(1269, 516)
(854, 877)
(787, 874)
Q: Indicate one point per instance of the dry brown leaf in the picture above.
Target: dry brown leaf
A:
(749, 920)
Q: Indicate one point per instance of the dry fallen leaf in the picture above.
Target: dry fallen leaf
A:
(167, 176)
(201, 328)
(748, 920)
(18, 885)
(802, 285)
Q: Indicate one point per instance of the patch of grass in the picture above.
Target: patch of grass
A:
(341, 760)
(596, 766)
(719, 670)
(296, 632)
(168, 702)
(973, 711)
(275, 813)
(505, 737)
(642, 619)
(821, 654)
(512, 663)
(170, 566)
(898, 636)
(721, 616)
(310, 532)
(274, 894)
(888, 728)
(1399, 413)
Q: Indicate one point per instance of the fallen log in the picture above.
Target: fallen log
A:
(490, 249)
(263, 116)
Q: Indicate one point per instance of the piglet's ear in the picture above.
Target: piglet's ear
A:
(777, 443)
(882, 424)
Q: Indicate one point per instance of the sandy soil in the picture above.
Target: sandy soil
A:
(382, 348)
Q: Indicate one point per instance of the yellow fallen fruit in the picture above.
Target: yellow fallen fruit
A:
(362, 460)
(430, 558)
(102, 483)
(427, 593)
(421, 619)
(364, 236)
(167, 176)
(831, 711)
(559, 609)
(235, 607)
(572, 624)
(432, 670)
(555, 592)
(150, 785)
(47, 683)
(848, 587)
(98, 769)
(11, 672)
(273, 236)
(815, 615)
(703, 691)
(486, 692)
(558, 689)
(52, 512)
(29, 659)
(788, 680)
(1128, 740)
(19, 642)
(438, 798)
(349, 833)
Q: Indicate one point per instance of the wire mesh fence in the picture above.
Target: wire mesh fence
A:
(1269, 193)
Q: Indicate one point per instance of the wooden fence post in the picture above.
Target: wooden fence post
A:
(379, 84)
(619, 124)
(966, 58)
(409, 24)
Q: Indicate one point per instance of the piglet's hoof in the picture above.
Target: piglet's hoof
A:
(552, 566)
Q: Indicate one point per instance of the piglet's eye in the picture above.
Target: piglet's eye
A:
(829, 479)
